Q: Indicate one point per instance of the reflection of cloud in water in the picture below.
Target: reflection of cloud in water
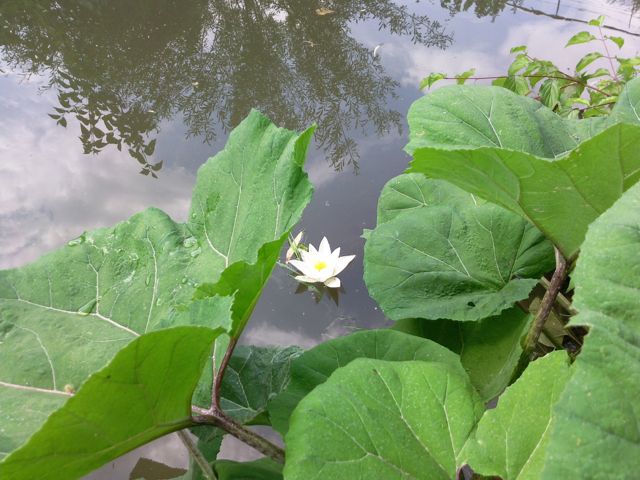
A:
(54, 192)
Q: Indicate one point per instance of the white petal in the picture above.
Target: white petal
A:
(312, 249)
(336, 253)
(302, 278)
(342, 263)
(307, 256)
(298, 238)
(333, 282)
(325, 249)
(305, 268)
(289, 255)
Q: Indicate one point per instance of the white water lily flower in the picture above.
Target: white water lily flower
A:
(321, 265)
(294, 247)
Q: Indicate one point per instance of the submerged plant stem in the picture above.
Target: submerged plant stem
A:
(197, 456)
(558, 278)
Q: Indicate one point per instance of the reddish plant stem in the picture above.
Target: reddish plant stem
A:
(558, 278)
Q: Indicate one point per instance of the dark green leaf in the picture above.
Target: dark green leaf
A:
(446, 254)
(489, 349)
(587, 60)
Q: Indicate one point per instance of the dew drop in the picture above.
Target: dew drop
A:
(189, 242)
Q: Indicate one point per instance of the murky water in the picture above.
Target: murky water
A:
(95, 94)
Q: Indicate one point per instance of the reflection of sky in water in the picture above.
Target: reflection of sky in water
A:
(50, 191)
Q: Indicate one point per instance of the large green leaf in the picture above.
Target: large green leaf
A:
(465, 117)
(254, 376)
(383, 420)
(144, 393)
(511, 440)
(489, 349)
(66, 315)
(490, 141)
(596, 433)
(439, 252)
(560, 197)
(314, 366)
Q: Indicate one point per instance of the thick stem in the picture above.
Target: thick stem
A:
(197, 456)
(251, 438)
(559, 275)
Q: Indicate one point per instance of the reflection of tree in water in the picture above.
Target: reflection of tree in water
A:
(121, 67)
(482, 8)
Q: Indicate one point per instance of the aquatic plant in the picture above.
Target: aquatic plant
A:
(129, 333)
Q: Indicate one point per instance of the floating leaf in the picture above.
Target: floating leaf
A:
(314, 366)
(66, 315)
(511, 440)
(595, 433)
(376, 420)
(144, 393)
(446, 254)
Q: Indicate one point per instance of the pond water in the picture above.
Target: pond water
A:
(168, 80)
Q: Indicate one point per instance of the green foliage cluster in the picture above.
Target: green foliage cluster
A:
(591, 90)
(129, 333)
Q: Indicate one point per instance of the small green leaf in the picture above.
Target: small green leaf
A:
(461, 78)
(520, 48)
(377, 420)
(144, 393)
(597, 22)
(428, 82)
(518, 64)
(619, 41)
(150, 147)
(587, 60)
(580, 37)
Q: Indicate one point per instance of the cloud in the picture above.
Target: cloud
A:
(52, 192)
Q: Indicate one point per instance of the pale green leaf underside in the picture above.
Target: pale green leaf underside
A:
(378, 420)
(65, 315)
(439, 252)
(560, 197)
(511, 440)
(314, 366)
(144, 393)
(596, 434)
(489, 349)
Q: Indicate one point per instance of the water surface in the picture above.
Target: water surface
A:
(97, 97)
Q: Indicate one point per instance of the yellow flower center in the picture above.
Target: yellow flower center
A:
(320, 265)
